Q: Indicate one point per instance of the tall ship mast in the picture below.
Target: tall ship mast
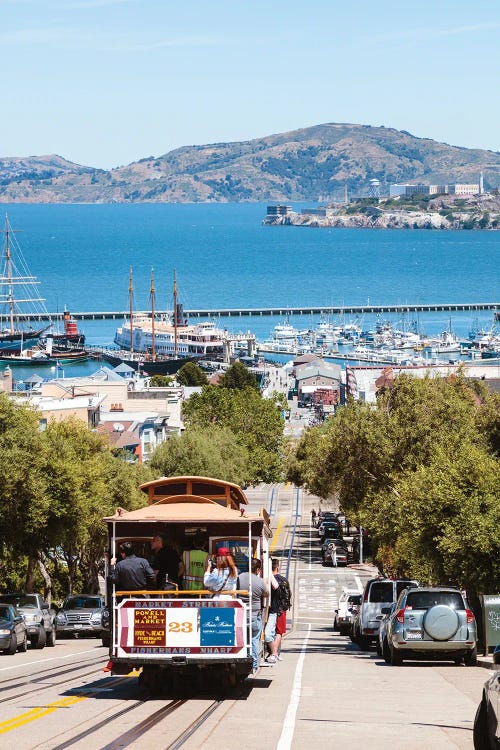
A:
(22, 310)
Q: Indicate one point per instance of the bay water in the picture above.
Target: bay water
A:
(225, 258)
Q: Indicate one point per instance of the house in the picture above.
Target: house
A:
(318, 383)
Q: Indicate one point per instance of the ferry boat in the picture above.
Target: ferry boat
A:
(161, 345)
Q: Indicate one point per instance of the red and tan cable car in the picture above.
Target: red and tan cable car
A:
(186, 631)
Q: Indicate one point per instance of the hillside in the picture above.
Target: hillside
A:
(308, 164)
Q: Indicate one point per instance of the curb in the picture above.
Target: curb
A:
(487, 663)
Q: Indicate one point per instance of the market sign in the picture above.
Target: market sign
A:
(185, 626)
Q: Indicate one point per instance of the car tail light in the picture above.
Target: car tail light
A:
(400, 616)
(470, 616)
(365, 595)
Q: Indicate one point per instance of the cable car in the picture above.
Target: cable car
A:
(182, 631)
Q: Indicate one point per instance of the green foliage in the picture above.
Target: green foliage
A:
(56, 487)
(203, 451)
(420, 470)
(191, 374)
(238, 376)
(160, 381)
(256, 423)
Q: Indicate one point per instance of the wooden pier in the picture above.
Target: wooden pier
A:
(255, 312)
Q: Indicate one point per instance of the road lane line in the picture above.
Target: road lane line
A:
(359, 584)
(52, 658)
(285, 741)
(277, 533)
(37, 713)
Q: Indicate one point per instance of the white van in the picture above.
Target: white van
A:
(378, 594)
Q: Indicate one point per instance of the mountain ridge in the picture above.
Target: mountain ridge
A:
(313, 163)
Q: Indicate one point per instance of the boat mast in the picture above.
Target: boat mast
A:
(130, 292)
(8, 259)
(153, 343)
(176, 348)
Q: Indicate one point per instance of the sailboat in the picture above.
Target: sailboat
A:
(21, 307)
(162, 344)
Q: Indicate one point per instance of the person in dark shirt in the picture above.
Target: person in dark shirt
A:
(167, 563)
(131, 573)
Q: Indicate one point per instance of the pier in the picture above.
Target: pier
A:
(255, 312)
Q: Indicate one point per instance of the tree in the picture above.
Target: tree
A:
(211, 451)
(160, 381)
(256, 423)
(238, 377)
(191, 374)
(419, 470)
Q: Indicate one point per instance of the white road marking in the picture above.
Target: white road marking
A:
(43, 661)
(285, 741)
(359, 584)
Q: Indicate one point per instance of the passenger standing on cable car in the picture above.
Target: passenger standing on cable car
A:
(166, 563)
(221, 574)
(195, 562)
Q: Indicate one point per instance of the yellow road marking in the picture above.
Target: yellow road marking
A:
(37, 713)
(275, 538)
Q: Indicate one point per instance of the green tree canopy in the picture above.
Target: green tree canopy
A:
(191, 374)
(256, 423)
(420, 470)
(238, 377)
(211, 451)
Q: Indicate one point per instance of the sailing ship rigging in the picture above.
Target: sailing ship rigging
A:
(20, 303)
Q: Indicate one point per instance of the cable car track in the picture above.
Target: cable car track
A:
(33, 681)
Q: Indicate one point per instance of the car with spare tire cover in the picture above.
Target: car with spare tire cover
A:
(38, 616)
(13, 635)
(432, 623)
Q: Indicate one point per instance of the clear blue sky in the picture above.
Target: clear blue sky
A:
(108, 82)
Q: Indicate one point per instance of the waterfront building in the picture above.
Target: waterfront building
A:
(279, 210)
(407, 190)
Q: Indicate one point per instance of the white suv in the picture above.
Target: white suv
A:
(349, 599)
(379, 593)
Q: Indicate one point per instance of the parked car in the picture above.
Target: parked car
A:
(348, 600)
(81, 615)
(432, 623)
(381, 645)
(487, 720)
(39, 618)
(329, 528)
(335, 553)
(325, 557)
(13, 634)
(379, 593)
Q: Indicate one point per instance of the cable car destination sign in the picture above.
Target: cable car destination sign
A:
(185, 626)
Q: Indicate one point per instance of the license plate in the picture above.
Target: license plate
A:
(415, 636)
(78, 626)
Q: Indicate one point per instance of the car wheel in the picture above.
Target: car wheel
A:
(12, 647)
(335, 624)
(396, 659)
(470, 658)
(378, 647)
(24, 645)
(458, 661)
(364, 643)
(51, 637)
(385, 652)
(40, 640)
(482, 740)
(106, 639)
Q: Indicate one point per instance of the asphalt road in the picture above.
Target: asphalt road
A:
(325, 693)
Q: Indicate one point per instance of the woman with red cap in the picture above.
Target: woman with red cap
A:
(221, 575)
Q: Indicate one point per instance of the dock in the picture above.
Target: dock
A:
(249, 312)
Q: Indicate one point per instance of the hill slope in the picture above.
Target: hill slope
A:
(307, 164)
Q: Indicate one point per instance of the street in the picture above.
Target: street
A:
(325, 692)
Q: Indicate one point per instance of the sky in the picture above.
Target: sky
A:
(107, 82)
